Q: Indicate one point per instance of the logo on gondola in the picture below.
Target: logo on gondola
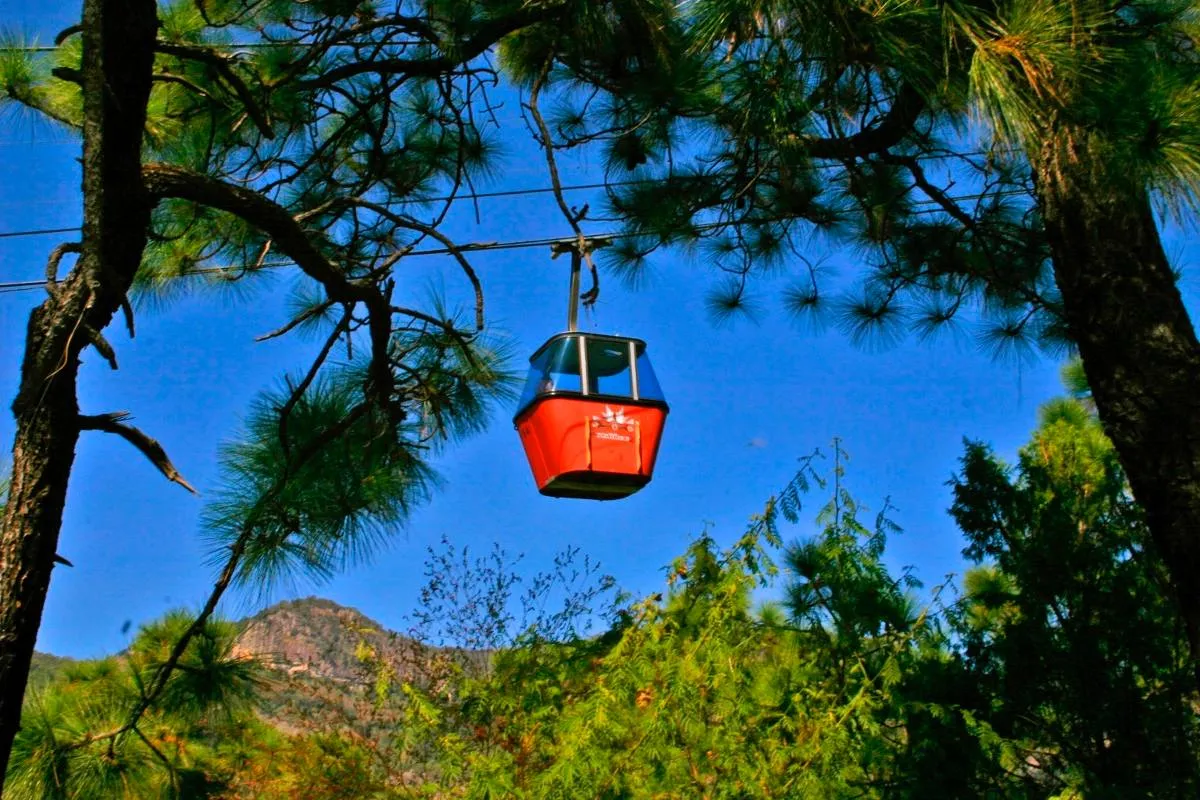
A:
(614, 417)
(619, 425)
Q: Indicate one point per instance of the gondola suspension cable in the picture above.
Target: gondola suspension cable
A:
(470, 247)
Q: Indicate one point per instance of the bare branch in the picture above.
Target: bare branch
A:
(582, 247)
(897, 123)
(56, 256)
(114, 423)
(67, 33)
(164, 180)
(937, 195)
(128, 311)
(68, 74)
(100, 343)
(428, 230)
(488, 33)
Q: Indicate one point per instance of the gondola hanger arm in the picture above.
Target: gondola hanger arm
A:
(580, 249)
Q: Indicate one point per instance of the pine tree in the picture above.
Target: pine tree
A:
(1067, 624)
(171, 753)
(325, 145)
(761, 125)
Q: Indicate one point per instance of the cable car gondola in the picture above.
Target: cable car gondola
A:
(592, 413)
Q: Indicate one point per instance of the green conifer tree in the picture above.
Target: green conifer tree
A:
(998, 159)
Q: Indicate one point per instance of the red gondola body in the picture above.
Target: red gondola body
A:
(592, 417)
(587, 448)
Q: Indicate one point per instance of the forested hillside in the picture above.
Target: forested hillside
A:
(776, 664)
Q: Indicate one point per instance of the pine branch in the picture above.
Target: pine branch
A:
(896, 124)
(170, 77)
(221, 64)
(164, 181)
(158, 754)
(28, 98)
(168, 181)
(236, 550)
(296, 321)
(487, 35)
(285, 411)
(427, 230)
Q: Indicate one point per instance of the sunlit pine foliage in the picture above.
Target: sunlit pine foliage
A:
(768, 134)
(168, 754)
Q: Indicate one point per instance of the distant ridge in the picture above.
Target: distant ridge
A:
(319, 637)
(321, 661)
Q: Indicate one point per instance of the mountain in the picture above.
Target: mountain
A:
(322, 662)
(45, 668)
(321, 639)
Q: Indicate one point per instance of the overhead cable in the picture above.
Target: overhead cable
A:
(475, 247)
(468, 196)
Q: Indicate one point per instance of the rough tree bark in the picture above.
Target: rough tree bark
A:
(1137, 343)
(118, 57)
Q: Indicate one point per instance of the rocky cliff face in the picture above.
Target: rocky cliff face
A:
(323, 661)
(323, 640)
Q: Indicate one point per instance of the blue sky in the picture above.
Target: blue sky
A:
(747, 401)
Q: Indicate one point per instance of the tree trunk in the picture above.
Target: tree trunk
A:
(118, 56)
(1139, 349)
